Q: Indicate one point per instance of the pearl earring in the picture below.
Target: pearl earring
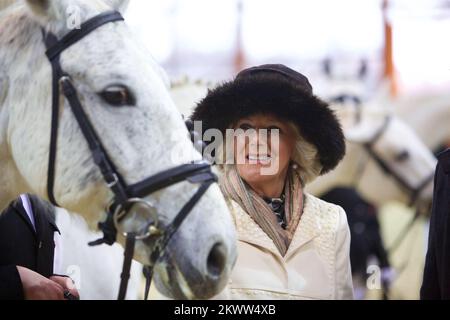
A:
(294, 166)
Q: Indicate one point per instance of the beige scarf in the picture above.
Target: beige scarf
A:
(235, 188)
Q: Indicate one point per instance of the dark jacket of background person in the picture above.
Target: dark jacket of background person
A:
(22, 245)
(364, 228)
(436, 280)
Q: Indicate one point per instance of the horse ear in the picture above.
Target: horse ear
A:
(119, 5)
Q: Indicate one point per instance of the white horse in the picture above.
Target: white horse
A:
(385, 159)
(364, 113)
(86, 269)
(144, 137)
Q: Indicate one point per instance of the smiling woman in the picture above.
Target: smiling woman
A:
(291, 244)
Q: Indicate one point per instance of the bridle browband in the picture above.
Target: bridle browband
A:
(414, 191)
(125, 196)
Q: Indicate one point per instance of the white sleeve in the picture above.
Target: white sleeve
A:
(344, 282)
(58, 255)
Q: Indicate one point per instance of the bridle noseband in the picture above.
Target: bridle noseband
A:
(125, 196)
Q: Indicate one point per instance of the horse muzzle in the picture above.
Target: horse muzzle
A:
(195, 273)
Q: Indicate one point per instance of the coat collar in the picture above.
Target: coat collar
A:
(18, 206)
(308, 228)
(249, 231)
(43, 213)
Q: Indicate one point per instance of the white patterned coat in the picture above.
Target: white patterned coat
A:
(316, 266)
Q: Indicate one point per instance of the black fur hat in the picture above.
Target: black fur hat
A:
(280, 91)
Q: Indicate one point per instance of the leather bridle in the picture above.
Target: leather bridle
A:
(413, 191)
(125, 196)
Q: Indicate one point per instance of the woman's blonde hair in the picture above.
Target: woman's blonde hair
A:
(305, 156)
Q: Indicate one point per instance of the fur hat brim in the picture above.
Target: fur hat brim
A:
(246, 96)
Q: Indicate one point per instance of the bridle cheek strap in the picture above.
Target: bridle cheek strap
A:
(414, 192)
(54, 49)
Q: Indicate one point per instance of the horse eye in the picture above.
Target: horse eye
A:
(118, 96)
(402, 156)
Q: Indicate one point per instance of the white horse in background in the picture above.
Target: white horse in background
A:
(142, 139)
(364, 112)
(410, 164)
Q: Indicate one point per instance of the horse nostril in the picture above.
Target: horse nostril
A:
(216, 260)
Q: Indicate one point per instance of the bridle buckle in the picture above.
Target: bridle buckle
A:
(63, 79)
(114, 182)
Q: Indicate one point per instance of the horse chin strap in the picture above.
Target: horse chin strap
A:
(126, 197)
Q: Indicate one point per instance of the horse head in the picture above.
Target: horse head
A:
(394, 160)
(125, 98)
